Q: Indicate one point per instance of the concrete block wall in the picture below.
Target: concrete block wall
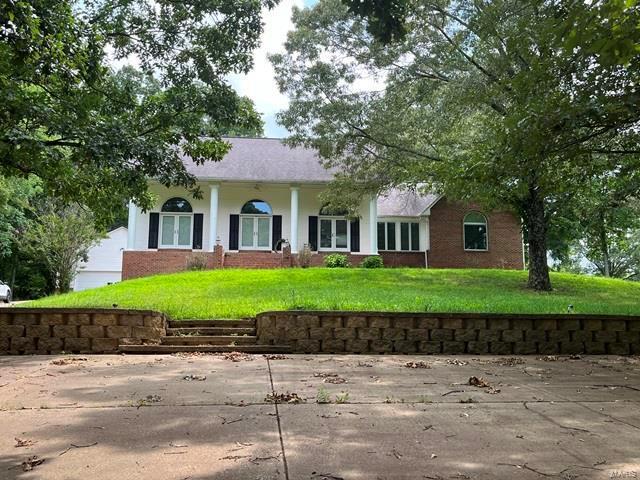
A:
(47, 331)
(378, 332)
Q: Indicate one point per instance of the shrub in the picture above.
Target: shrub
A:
(304, 257)
(372, 262)
(197, 261)
(336, 260)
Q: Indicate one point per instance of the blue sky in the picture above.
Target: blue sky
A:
(259, 84)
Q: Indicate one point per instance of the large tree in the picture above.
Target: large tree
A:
(499, 102)
(95, 135)
(60, 237)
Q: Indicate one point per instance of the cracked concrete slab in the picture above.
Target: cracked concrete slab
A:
(138, 417)
(483, 441)
(118, 380)
(165, 442)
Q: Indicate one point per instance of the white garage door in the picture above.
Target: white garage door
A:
(88, 279)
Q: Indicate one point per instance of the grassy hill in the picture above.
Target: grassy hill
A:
(242, 293)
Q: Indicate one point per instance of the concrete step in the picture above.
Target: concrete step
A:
(239, 323)
(148, 349)
(211, 331)
(209, 340)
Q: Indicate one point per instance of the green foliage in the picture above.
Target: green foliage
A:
(323, 395)
(342, 397)
(386, 17)
(243, 293)
(336, 260)
(251, 123)
(94, 135)
(481, 101)
(61, 237)
(197, 261)
(16, 196)
(372, 262)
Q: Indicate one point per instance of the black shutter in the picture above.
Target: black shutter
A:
(234, 231)
(355, 235)
(276, 235)
(198, 219)
(313, 233)
(154, 223)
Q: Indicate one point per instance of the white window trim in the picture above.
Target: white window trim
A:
(333, 247)
(175, 245)
(255, 246)
(398, 232)
(464, 233)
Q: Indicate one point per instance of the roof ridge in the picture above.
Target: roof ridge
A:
(252, 138)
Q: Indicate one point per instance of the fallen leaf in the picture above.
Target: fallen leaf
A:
(31, 462)
(417, 365)
(23, 443)
(284, 398)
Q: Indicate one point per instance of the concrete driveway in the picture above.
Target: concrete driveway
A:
(198, 417)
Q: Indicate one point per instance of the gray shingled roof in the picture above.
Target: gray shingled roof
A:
(264, 160)
(270, 160)
(404, 203)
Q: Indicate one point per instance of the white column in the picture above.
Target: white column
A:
(373, 224)
(293, 241)
(131, 227)
(213, 216)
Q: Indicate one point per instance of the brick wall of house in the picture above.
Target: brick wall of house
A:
(250, 259)
(447, 244)
(143, 263)
(390, 259)
(403, 259)
(49, 330)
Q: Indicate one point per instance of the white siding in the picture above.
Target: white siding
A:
(104, 264)
(86, 280)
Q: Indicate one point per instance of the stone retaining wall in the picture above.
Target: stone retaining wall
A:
(374, 332)
(46, 331)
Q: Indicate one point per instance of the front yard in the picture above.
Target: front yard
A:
(243, 293)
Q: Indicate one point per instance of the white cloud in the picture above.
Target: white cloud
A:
(259, 84)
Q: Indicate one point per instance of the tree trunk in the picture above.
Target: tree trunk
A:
(537, 231)
(604, 247)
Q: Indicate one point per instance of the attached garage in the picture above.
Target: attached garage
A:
(104, 265)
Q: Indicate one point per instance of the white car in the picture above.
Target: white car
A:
(5, 292)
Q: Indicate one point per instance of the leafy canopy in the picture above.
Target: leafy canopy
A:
(482, 101)
(94, 134)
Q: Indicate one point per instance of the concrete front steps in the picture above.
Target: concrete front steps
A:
(208, 336)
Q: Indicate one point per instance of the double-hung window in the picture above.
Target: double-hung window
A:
(398, 236)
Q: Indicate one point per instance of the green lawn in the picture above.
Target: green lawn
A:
(241, 293)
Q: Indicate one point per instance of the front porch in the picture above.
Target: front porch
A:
(242, 225)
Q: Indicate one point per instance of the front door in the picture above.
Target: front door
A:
(255, 233)
(175, 231)
(334, 234)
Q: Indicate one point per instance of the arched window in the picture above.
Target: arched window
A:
(333, 233)
(475, 231)
(177, 205)
(175, 223)
(255, 225)
(256, 207)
